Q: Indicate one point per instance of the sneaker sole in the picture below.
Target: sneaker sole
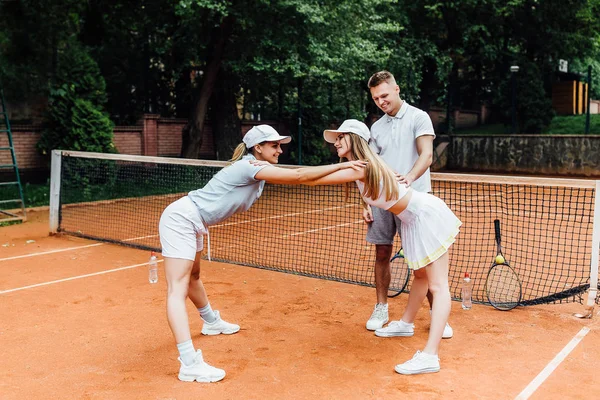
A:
(394, 334)
(191, 378)
(416, 372)
(214, 333)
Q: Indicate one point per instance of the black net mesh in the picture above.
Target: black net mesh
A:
(318, 232)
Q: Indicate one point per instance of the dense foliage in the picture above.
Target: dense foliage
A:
(75, 119)
(291, 59)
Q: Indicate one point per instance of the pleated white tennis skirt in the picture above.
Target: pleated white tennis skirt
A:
(428, 229)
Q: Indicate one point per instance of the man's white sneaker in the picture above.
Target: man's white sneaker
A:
(199, 371)
(379, 317)
(448, 332)
(219, 326)
(396, 328)
(421, 363)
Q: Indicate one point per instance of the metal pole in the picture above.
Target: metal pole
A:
(449, 107)
(55, 185)
(588, 92)
(299, 122)
(513, 70)
(514, 102)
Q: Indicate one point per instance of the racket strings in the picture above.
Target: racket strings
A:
(503, 287)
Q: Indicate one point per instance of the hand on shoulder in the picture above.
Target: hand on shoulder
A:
(404, 179)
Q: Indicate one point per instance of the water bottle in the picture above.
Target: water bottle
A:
(467, 287)
(152, 269)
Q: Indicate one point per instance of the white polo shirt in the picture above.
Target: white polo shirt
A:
(395, 140)
(233, 189)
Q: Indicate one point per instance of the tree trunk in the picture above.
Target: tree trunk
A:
(226, 126)
(428, 84)
(191, 139)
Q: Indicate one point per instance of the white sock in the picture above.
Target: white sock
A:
(187, 353)
(207, 314)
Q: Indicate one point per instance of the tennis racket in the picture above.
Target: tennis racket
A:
(502, 286)
(400, 274)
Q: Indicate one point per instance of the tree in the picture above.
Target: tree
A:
(75, 119)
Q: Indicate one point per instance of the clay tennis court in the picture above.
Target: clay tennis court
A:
(80, 320)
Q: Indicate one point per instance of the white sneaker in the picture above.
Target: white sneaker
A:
(379, 317)
(396, 328)
(199, 371)
(219, 326)
(421, 363)
(448, 332)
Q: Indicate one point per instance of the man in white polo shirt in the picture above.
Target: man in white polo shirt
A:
(403, 138)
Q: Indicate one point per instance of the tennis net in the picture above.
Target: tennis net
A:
(547, 224)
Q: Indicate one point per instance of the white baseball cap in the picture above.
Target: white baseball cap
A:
(263, 133)
(348, 126)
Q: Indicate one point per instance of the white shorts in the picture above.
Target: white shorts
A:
(181, 230)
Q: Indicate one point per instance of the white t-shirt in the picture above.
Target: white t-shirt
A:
(233, 189)
(395, 140)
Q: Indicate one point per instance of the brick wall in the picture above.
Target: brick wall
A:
(128, 139)
(152, 136)
(25, 137)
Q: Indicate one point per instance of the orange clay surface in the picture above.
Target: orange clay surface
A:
(105, 336)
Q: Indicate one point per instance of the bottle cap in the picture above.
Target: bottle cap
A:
(467, 275)
(152, 254)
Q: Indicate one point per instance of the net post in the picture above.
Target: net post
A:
(593, 291)
(55, 173)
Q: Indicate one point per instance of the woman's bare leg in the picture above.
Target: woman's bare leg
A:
(437, 275)
(418, 290)
(177, 273)
(196, 291)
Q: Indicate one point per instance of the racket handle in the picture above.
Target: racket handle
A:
(497, 229)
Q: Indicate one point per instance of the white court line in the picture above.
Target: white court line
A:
(51, 251)
(283, 216)
(136, 265)
(560, 357)
(41, 253)
(322, 229)
(73, 278)
(151, 236)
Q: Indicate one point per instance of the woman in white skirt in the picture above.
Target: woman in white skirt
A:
(233, 189)
(429, 228)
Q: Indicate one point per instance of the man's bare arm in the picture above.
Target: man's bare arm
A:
(425, 150)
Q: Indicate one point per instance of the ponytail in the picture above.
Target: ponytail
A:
(239, 152)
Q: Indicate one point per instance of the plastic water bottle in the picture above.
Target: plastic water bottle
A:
(467, 287)
(152, 269)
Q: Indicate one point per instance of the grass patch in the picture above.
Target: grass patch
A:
(573, 125)
(35, 195)
(560, 125)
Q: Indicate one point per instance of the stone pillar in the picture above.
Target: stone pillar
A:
(150, 135)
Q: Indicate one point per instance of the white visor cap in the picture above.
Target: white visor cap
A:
(348, 126)
(263, 133)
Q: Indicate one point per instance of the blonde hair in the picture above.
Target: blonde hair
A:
(239, 152)
(376, 171)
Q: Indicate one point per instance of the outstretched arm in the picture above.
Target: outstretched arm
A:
(342, 176)
(306, 175)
